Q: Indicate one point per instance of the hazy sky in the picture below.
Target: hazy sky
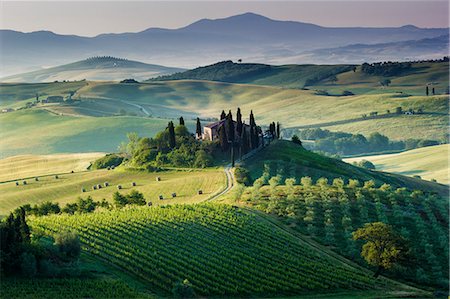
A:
(92, 18)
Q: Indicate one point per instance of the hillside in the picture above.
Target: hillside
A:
(287, 159)
(428, 163)
(96, 68)
(294, 76)
(214, 248)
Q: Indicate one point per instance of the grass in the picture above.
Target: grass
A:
(287, 159)
(28, 166)
(221, 250)
(67, 188)
(35, 131)
(428, 162)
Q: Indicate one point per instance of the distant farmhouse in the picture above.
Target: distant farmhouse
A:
(5, 110)
(53, 99)
(211, 131)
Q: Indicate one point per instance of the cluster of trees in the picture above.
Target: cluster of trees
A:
(342, 143)
(364, 164)
(327, 73)
(22, 256)
(133, 198)
(174, 146)
(82, 205)
(110, 160)
(385, 69)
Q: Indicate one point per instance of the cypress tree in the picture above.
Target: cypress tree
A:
(278, 130)
(432, 91)
(223, 115)
(181, 121)
(198, 130)
(244, 142)
(171, 129)
(252, 119)
(230, 127)
(427, 90)
(239, 122)
(24, 230)
(223, 138)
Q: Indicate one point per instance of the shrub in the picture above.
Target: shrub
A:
(108, 161)
(366, 164)
(28, 264)
(296, 140)
(68, 245)
(183, 289)
(242, 176)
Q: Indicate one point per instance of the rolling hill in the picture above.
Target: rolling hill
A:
(220, 250)
(249, 36)
(95, 68)
(287, 159)
(428, 163)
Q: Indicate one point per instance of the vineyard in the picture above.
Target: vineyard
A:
(221, 250)
(68, 288)
(329, 213)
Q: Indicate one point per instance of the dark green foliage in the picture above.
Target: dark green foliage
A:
(242, 176)
(198, 128)
(385, 69)
(365, 164)
(108, 161)
(202, 159)
(296, 140)
(129, 81)
(44, 208)
(223, 139)
(278, 130)
(133, 198)
(69, 246)
(183, 289)
(239, 124)
(223, 115)
(342, 143)
(28, 265)
(171, 130)
(181, 121)
(230, 127)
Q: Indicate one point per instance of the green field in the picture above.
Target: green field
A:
(35, 131)
(428, 162)
(222, 251)
(27, 166)
(67, 188)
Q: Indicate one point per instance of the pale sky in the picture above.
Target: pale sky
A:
(89, 18)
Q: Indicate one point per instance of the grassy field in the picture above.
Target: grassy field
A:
(288, 160)
(67, 188)
(35, 131)
(214, 247)
(429, 162)
(27, 166)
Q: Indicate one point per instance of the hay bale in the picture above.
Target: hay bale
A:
(112, 167)
(36, 179)
(24, 182)
(83, 190)
(174, 195)
(106, 184)
(134, 184)
(200, 192)
(161, 197)
(56, 177)
(158, 178)
(99, 186)
(94, 187)
(17, 183)
(119, 187)
(149, 203)
(72, 171)
(108, 168)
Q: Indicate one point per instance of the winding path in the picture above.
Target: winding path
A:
(230, 183)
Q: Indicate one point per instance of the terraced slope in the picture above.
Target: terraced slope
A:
(219, 249)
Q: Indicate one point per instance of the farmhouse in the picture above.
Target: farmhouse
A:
(6, 110)
(211, 131)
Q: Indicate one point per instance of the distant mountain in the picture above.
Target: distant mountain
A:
(428, 48)
(103, 68)
(247, 36)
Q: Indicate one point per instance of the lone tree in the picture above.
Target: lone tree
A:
(427, 90)
(181, 121)
(171, 130)
(198, 130)
(432, 91)
(278, 130)
(223, 115)
(383, 248)
(252, 119)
